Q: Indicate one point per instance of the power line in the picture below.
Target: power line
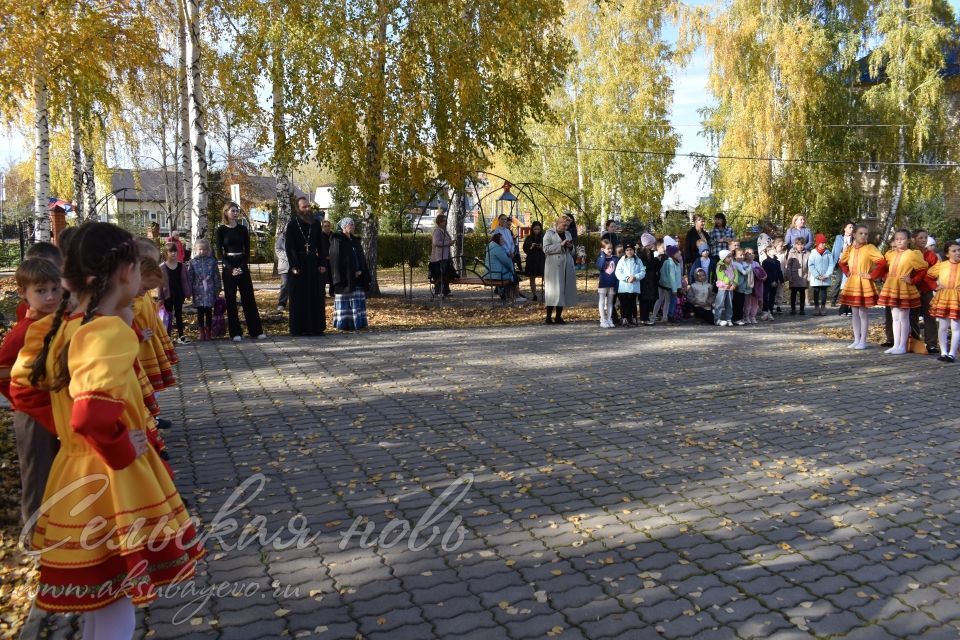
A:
(652, 125)
(696, 155)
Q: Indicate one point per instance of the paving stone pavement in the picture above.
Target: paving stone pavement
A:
(663, 482)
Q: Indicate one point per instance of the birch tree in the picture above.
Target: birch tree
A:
(617, 95)
(109, 40)
(907, 64)
(197, 114)
(408, 93)
(41, 162)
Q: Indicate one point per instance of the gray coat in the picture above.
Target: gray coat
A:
(280, 250)
(559, 277)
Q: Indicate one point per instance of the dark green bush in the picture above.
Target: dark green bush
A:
(392, 250)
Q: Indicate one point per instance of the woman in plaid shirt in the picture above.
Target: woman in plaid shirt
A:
(720, 235)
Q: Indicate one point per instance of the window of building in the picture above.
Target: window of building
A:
(870, 208)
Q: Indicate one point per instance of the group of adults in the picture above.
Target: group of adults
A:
(549, 257)
(310, 257)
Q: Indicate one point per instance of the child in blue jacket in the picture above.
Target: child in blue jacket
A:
(630, 272)
(821, 271)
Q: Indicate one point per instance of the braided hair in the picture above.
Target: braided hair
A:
(93, 255)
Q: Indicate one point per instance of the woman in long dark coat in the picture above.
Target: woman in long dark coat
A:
(307, 273)
(351, 278)
(650, 285)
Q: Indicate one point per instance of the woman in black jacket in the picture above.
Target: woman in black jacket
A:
(650, 285)
(233, 245)
(351, 278)
(533, 249)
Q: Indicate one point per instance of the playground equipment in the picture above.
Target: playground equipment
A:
(523, 202)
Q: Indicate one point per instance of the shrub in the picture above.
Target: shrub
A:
(393, 249)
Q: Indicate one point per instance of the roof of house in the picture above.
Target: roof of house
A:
(151, 185)
(951, 67)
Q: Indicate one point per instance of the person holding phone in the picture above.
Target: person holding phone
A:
(533, 249)
(559, 281)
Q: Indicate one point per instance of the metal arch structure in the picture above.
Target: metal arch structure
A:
(416, 226)
(529, 190)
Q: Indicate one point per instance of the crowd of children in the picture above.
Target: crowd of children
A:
(81, 369)
(738, 287)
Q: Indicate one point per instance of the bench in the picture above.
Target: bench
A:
(471, 275)
(478, 280)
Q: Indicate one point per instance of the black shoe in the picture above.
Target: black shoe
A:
(548, 321)
(887, 344)
(163, 423)
(947, 359)
(793, 312)
(559, 321)
(933, 350)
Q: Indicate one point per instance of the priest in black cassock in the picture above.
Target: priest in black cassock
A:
(305, 280)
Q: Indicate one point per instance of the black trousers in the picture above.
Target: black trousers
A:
(769, 298)
(646, 308)
(204, 317)
(175, 306)
(820, 296)
(231, 286)
(704, 314)
(798, 293)
(628, 305)
(930, 337)
(440, 272)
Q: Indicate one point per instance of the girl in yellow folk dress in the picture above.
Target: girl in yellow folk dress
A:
(946, 302)
(112, 527)
(905, 269)
(156, 349)
(861, 262)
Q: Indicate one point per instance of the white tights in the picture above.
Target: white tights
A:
(901, 330)
(116, 621)
(943, 325)
(605, 303)
(861, 327)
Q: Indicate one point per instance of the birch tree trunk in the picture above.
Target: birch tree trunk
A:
(891, 216)
(41, 181)
(581, 194)
(375, 135)
(76, 158)
(198, 133)
(281, 158)
(457, 215)
(89, 179)
(186, 166)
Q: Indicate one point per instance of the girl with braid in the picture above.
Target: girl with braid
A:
(157, 355)
(112, 527)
